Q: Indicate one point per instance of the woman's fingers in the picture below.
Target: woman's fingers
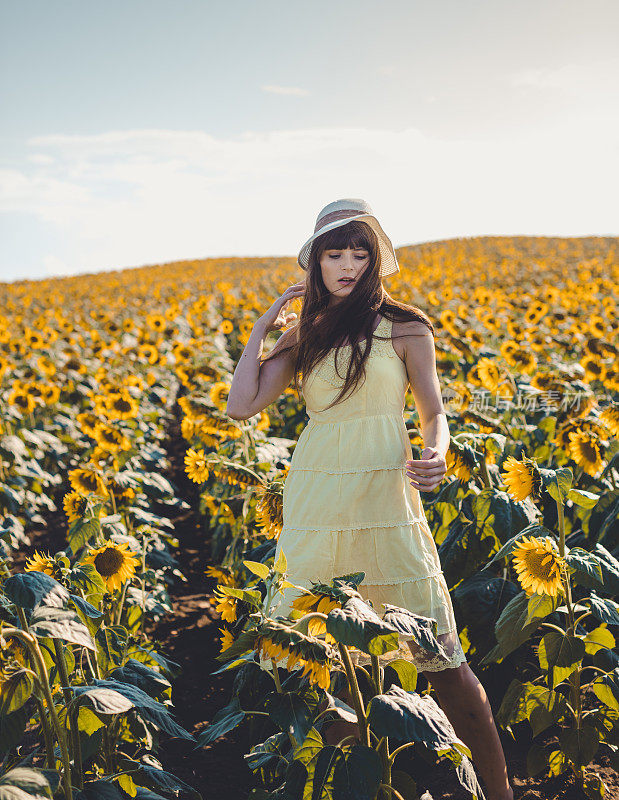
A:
(425, 474)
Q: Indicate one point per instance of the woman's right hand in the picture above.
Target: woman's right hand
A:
(276, 317)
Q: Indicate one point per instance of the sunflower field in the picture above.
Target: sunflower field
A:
(117, 459)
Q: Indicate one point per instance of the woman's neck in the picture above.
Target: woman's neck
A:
(376, 324)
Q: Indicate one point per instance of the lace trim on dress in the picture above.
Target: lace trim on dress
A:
(394, 582)
(424, 660)
(343, 471)
(359, 526)
(326, 368)
(405, 579)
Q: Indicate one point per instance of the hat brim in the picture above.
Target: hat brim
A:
(388, 261)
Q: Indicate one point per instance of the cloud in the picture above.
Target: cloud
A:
(132, 197)
(601, 75)
(294, 90)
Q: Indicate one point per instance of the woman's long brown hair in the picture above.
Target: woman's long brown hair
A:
(322, 328)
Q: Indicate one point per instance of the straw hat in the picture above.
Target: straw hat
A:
(340, 212)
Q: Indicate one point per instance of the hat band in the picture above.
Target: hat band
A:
(343, 213)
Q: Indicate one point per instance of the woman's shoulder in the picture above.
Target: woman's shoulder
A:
(405, 333)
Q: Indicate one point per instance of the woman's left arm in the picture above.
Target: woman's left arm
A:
(420, 358)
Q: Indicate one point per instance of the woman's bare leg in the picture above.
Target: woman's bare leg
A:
(465, 703)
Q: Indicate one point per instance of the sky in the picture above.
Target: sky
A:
(137, 132)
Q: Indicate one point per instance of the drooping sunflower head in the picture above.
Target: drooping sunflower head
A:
(222, 575)
(75, 506)
(270, 512)
(522, 478)
(278, 641)
(587, 451)
(610, 418)
(225, 605)
(539, 565)
(457, 465)
(44, 562)
(311, 601)
(114, 562)
(226, 639)
(85, 480)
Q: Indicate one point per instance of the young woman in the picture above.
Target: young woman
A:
(351, 496)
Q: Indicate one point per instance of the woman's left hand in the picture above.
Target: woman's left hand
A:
(427, 472)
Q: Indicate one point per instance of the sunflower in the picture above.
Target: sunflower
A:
(236, 476)
(458, 394)
(84, 480)
(595, 370)
(610, 419)
(182, 352)
(114, 562)
(50, 393)
(521, 478)
(226, 639)
(264, 422)
(538, 565)
(156, 322)
(524, 359)
(110, 439)
(219, 394)
(269, 512)
(223, 576)
(488, 373)
(46, 365)
(192, 408)
(316, 601)
(75, 506)
(120, 405)
(43, 562)
(586, 451)
(456, 465)
(225, 605)
(195, 465)
(134, 380)
(279, 641)
(22, 400)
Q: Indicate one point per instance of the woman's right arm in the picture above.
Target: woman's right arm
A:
(254, 385)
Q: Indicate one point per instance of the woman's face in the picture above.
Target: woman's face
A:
(338, 264)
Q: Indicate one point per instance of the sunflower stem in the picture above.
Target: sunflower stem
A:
(485, 475)
(304, 621)
(47, 731)
(394, 792)
(355, 694)
(554, 627)
(113, 500)
(121, 602)
(399, 749)
(142, 635)
(34, 650)
(72, 713)
(278, 686)
(383, 744)
(574, 678)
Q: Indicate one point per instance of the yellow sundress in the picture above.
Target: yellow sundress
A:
(348, 504)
